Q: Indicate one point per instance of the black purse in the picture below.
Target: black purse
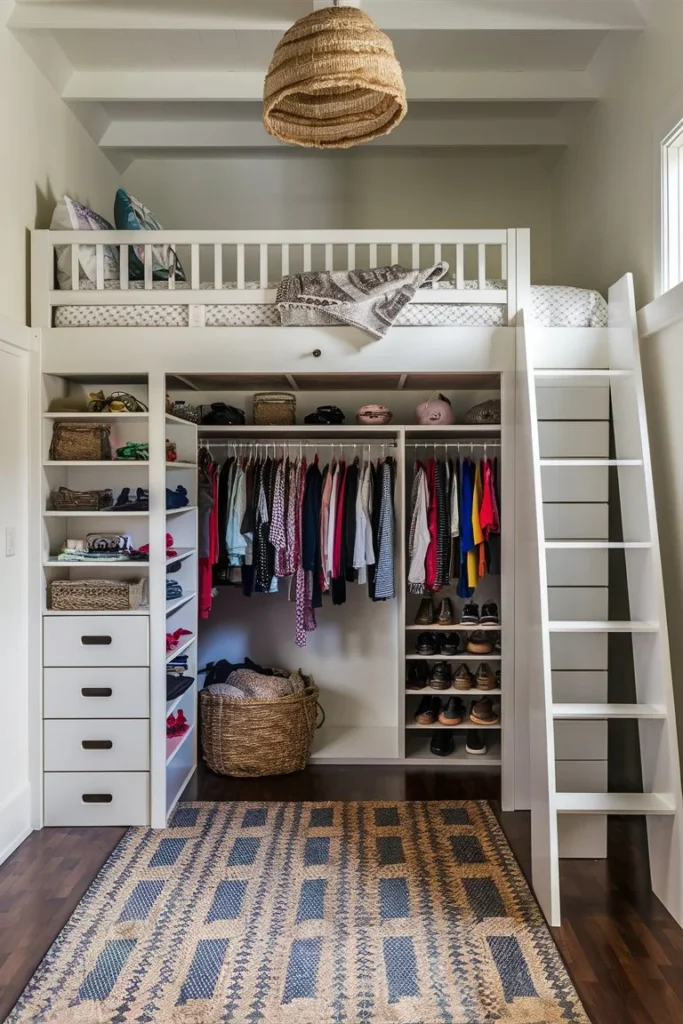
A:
(326, 416)
(221, 415)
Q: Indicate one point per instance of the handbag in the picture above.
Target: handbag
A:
(326, 415)
(222, 415)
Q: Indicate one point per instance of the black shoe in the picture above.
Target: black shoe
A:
(428, 711)
(425, 613)
(470, 615)
(426, 644)
(450, 644)
(418, 674)
(475, 742)
(453, 713)
(441, 676)
(489, 614)
(443, 743)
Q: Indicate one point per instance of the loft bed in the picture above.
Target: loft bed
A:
(231, 278)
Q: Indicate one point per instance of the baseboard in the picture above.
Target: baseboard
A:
(15, 821)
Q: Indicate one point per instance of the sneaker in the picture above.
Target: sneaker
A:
(428, 711)
(441, 676)
(417, 676)
(450, 644)
(482, 712)
(453, 713)
(463, 678)
(443, 743)
(425, 613)
(445, 616)
(426, 644)
(485, 678)
(489, 614)
(470, 615)
(479, 643)
(475, 742)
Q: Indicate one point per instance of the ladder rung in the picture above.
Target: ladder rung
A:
(589, 545)
(559, 374)
(590, 462)
(616, 626)
(615, 803)
(603, 711)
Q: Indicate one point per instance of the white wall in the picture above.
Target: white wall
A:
(365, 189)
(45, 151)
(605, 187)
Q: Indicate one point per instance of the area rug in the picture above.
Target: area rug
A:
(329, 913)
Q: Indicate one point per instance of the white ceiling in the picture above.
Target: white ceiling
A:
(186, 76)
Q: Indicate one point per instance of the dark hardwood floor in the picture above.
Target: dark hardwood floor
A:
(623, 950)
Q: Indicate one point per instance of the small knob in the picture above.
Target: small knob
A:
(317, 353)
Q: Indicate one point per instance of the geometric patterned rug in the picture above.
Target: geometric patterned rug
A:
(307, 913)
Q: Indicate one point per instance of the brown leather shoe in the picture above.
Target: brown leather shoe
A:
(485, 677)
(482, 713)
(445, 616)
(441, 676)
(425, 613)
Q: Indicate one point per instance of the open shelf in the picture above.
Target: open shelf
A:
(463, 725)
(428, 691)
(454, 628)
(109, 463)
(418, 753)
(181, 465)
(179, 602)
(175, 743)
(180, 556)
(144, 610)
(54, 562)
(181, 649)
(95, 416)
(453, 657)
(179, 511)
(108, 512)
(179, 421)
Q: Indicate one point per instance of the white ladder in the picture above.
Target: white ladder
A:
(615, 358)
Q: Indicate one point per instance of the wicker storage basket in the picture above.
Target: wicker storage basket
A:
(80, 442)
(258, 736)
(96, 595)
(274, 409)
(66, 500)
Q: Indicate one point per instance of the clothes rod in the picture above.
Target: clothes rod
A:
(208, 443)
(453, 444)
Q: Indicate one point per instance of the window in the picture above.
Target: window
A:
(672, 209)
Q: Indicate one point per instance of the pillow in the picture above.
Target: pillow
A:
(132, 215)
(72, 216)
(255, 685)
(226, 690)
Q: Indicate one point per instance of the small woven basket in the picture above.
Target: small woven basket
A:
(80, 442)
(274, 409)
(96, 595)
(66, 500)
(256, 736)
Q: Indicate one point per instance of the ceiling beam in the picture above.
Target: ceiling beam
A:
(184, 86)
(215, 15)
(237, 135)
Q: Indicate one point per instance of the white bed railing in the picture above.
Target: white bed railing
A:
(243, 267)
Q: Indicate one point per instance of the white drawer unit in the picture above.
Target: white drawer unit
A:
(91, 640)
(96, 693)
(96, 745)
(99, 798)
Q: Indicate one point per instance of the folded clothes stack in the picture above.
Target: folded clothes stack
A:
(177, 498)
(173, 590)
(126, 503)
(177, 665)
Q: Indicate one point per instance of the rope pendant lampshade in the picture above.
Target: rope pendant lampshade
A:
(334, 82)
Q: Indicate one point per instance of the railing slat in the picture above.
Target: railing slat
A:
(373, 255)
(240, 266)
(194, 250)
(394, 253)
(123, 268)
(481, 266)
(307, 257)
(460, 267)
(437, 252)
(99, 267)
(351, 256)
(504, 262)
(263, 266)
(218, 266)
(285, 260)
(75, 267)
(148, 268)
(416, 256)
(329, 257)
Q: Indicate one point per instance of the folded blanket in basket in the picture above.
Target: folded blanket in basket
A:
(369, 299)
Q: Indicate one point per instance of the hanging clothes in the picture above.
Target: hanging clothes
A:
(419, 531)
(385, 587)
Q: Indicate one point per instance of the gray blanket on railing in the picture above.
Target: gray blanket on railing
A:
(369, 299)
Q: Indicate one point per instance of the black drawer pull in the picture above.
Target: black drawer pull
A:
(317, 353)
(97, 798)
(96, 691)
(96, 641)
(97, 744)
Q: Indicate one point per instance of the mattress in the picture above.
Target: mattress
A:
(551, 306)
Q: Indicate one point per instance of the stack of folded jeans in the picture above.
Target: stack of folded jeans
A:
(173, 590)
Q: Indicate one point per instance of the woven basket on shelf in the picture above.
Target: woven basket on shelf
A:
(333, 82)
(258, 736)
(80, 442)
(274, 409)
(64, 499)
(96, 595)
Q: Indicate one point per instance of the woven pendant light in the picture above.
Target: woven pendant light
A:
(334, 82)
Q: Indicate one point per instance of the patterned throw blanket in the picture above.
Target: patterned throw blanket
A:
(369, 299)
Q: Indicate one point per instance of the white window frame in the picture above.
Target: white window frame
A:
(671, 255)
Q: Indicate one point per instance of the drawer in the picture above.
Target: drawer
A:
(74, 640)
(96, 798)
(96, 745)
(96, 693)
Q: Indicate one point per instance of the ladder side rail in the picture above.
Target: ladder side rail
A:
(652, 660)
(533, 660)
